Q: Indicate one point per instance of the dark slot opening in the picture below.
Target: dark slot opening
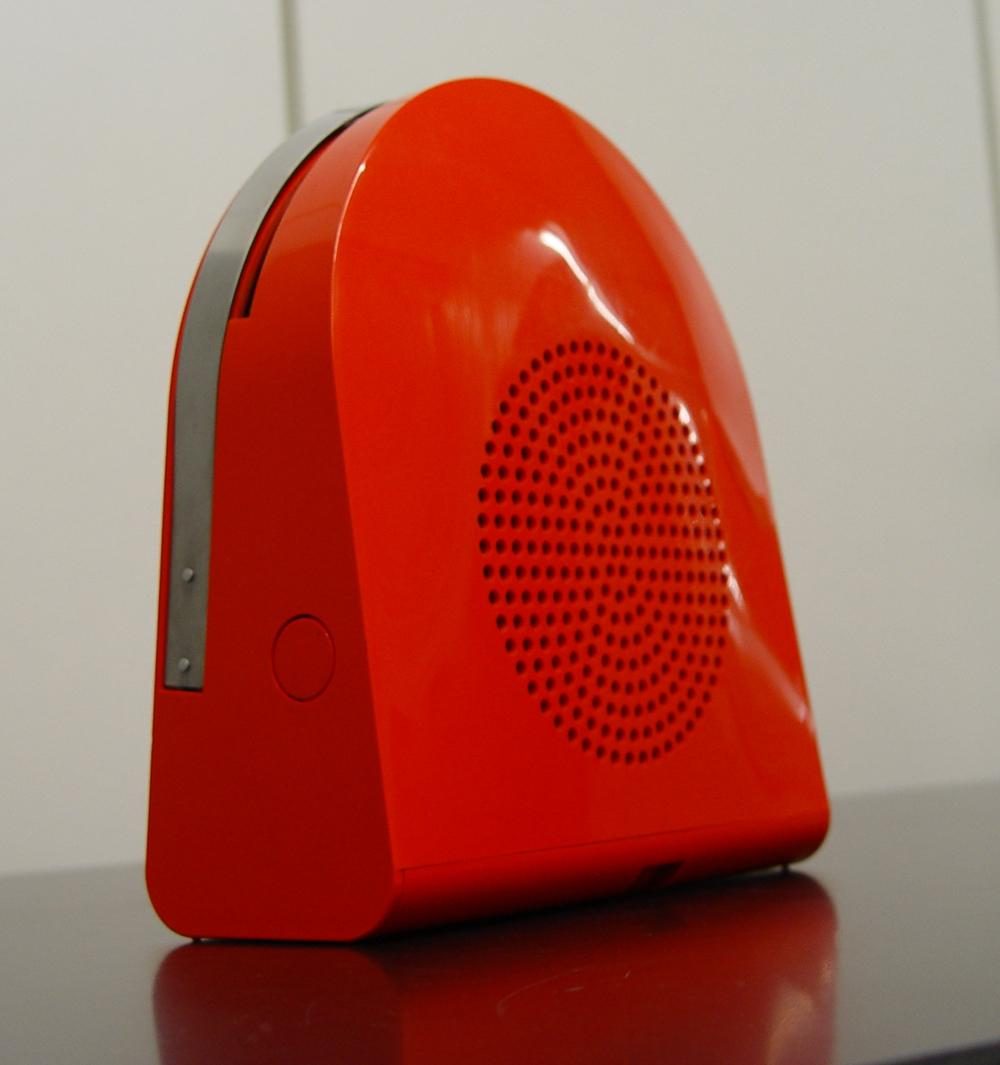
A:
(247, 287)
(655, 877)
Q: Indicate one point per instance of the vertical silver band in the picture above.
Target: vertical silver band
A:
(196, 392)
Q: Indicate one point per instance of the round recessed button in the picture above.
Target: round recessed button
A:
(303, 657)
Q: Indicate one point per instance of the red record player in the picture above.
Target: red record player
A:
(471, 595)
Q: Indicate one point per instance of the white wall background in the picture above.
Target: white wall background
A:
(830, 163)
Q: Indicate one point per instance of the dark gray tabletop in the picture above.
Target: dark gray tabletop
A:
(885, 947)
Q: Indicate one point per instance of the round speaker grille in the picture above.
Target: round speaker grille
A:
(603, 552)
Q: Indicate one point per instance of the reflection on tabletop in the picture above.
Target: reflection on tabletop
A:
(730, 972)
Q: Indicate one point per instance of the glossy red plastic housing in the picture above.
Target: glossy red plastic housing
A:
(496, 610)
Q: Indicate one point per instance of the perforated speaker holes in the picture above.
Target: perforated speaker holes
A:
(603, 553)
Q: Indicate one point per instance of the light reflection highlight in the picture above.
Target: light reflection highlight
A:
(562, 249)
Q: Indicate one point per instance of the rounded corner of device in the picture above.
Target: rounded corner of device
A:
(164, 903)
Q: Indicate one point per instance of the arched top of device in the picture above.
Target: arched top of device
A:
(527, 149)
(465, 91)
(528, 108)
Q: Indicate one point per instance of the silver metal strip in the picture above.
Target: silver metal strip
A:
(197, 389)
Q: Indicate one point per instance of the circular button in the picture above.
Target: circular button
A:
(303, 657)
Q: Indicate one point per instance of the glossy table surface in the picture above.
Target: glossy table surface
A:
(884, 947)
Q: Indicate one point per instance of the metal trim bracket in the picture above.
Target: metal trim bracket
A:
(196, 392)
